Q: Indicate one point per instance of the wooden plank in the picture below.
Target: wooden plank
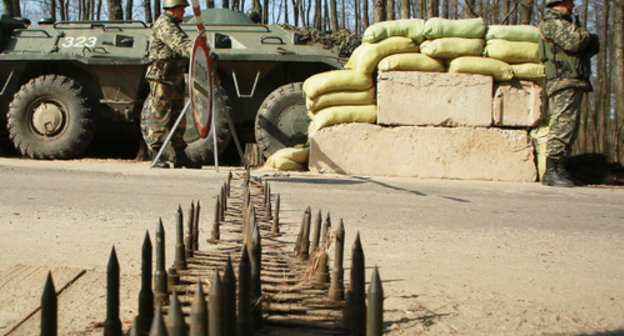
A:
(21, 288)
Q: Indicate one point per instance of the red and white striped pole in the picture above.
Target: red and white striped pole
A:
(198, 20)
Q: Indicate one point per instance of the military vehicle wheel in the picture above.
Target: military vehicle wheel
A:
(49, 118)
(282, 120)
(199, 150)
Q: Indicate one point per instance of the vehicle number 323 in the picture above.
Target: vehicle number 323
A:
(79, 42)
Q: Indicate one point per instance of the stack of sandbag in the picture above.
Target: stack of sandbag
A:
(518, 46)
(291, 159)
(340, 96)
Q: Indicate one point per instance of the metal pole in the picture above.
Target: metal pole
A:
(171, 132)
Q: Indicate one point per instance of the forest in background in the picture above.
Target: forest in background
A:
(602, 120)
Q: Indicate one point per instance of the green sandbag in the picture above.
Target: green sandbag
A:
(500, 70)
(410, 62)
(529, 71)
(365, 57)
(469, 28)
(336, 80)
(513, 33)
(412, 28)
(512, 51)
(336, 98)
(343, 114)
(452, 47)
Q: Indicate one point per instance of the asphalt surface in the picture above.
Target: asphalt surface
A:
(456, 257)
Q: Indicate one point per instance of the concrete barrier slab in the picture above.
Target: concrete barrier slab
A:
(427, 152)
(432, 98)
(517, 104)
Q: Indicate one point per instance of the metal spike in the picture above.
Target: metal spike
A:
(158, 325)
(196, 227)
(199, 313)
(223, 203)
(112, 325)
(214, 233)
(161, 295)
(188, 236)
(336, 289)
(374, 318)
(316, 235)
(321, 273)
(304, 251)
(49, 308)
(275, 229)
(243, 322)
(229, 299)
(175, 320)
(326, 225)
(179, 263)
(215, 321)
(267, 200)
(304, 219)
(133, 328)
(146, 296)
(256, 282)
(357, 289)
(229, 183)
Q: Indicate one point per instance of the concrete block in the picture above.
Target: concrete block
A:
(426, 152)
(433, 98)
(517, 104)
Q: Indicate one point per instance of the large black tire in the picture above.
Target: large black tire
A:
(199, 149)
(282, 120)
(50, 118)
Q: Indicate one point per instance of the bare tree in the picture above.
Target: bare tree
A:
(265, 13)
(147, 8)
(390, 10)
(285, 11)
(434, 8)
(317, 14)
(52, 8)
(156, 9)
(445, 9)
(379, 10)
(334, 15)
(211, 4)
(404, 9)
(526, 11)
(128, 9)
(114, 10)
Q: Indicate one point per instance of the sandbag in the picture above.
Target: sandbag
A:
(336, 98)
(451, 47)
(365, 57)
(412, 28)
(529, 71)
(469, 28)
(410, 62)
(512, 51)
(336, 80)
(513, 33)
(343, 114)
(292, 158)
(500, 70)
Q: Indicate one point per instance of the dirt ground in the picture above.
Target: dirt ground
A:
(455, 257)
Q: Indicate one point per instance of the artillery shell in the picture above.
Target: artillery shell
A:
(160, 276)
(229, 299)
(49, 308)
(112, 325)
(215, 320)
(275, 229)
(199, 313)
(243, 321)
(179, 263)
(146, 296)
(175, 320)
(188, 237)
(374, 319)
(158, 325)
(336, 289)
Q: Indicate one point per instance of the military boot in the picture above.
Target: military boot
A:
(551, 176)
(563, 172)
(182, 160)
(161, 163)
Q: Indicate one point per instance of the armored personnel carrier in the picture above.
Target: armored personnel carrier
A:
(60, 81)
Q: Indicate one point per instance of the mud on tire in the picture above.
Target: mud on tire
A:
(50, 118)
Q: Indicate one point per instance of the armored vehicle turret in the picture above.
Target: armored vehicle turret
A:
(60, 81)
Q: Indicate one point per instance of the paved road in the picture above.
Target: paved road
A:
(456, 257)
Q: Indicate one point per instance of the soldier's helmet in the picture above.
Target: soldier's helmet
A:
(174, 3)
(550, 3)
(253, 14)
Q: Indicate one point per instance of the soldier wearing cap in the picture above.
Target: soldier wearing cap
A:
(169, 51)
(565, 48)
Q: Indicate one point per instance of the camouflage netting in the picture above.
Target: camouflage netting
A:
(342, 40)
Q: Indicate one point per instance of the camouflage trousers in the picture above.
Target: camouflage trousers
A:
(167, 103)
(564, 107)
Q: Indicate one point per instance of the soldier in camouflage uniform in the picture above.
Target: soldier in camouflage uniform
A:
(169, 50)
(565, 49)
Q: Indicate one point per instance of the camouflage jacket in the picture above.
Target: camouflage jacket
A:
(168, 41)
(564, 49)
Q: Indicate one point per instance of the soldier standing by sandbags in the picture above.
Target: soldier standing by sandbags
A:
(169, 51)
(565, 48)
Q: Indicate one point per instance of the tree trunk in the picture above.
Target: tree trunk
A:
(357, 17)
(434, 9)
(317, 14)
(469, 11)
(128, 9)
(286, 12)
(326, 22)
(17, 10)
(404, 9)
(584, 9)
(8, 8)
(365, 20)
(618, 46)
(526, 11)
(379, 10)
(265, 13)
(334, 15)
(114, 10)
(147, 8)
(390, 10)
(225, 4)
(343, 18)
(156, 9)
(445, 9)
(295, 4)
